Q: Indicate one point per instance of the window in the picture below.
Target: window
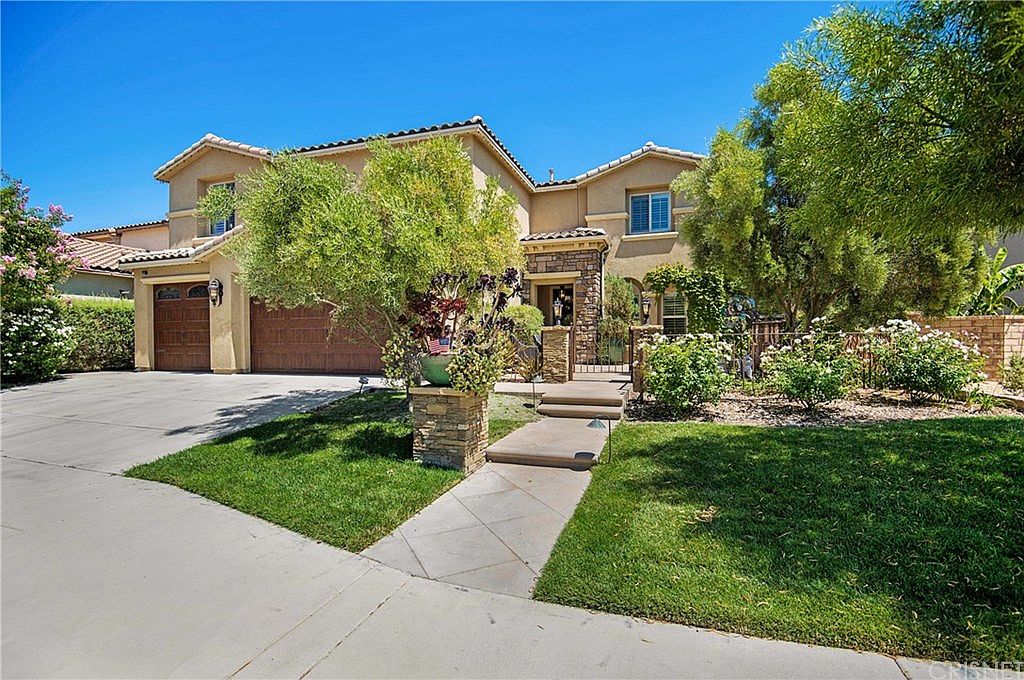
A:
(199, 291)
(218, 228)
(650, 213)
(168, 294)
(673, 316)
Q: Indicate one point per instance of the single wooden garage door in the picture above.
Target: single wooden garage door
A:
(181, 327)
(296, 341)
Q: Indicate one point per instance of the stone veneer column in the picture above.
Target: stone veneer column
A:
(587, 287)
(449, 428)
(555, 354)
(638, 334)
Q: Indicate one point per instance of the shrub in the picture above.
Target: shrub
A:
(1013, 373)
(34, 341)
(931, 365)
(685, 373)
(814, 369)
(527, 321)
(102, 334)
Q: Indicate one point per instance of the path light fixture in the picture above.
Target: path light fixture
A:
(598, 424)
(557, 304)
(646, 305)
(216, 290)
(363, 381)
(533, 384)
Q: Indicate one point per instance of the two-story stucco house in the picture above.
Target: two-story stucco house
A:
(191, 314)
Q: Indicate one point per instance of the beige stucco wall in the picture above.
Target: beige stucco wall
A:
(157, 238)
(558, 210)
(229, 321)
(486, 164)
(96, 285)
(191, 182)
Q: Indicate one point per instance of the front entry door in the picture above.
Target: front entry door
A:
(564, 295)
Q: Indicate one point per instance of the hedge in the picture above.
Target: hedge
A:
(102, 334)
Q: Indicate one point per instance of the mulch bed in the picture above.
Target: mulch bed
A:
(858, 408)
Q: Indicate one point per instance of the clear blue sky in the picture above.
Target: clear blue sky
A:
(96, 96)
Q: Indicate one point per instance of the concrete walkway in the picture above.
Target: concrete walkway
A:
(493, 531)
(105, 576)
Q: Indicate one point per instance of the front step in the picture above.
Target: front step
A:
(578, 410)
(552, 442)
(613, 400)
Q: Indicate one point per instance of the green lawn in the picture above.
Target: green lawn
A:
(904, 538)
(343, 474)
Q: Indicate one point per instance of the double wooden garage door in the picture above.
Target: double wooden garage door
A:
(296, 341)
(282, 340)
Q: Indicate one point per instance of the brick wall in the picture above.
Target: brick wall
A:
(998, 336)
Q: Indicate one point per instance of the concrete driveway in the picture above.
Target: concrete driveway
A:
(105, 576)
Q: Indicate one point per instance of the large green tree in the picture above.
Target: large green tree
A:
(316, 233)
(921, 127)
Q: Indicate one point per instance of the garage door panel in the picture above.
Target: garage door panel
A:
(181, 329)
(297, 341)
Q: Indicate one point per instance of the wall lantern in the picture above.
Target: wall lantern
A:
(557, 304)
(646, 304)
(216, 292)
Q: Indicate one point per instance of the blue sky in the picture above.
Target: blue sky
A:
(96, 96)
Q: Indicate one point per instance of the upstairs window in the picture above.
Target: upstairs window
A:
(218, 228)
(650, 213)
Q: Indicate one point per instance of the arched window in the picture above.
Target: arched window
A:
(168, 293)
(200, 291)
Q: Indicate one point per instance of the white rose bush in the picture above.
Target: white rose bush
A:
(926, 365)
(686, 372)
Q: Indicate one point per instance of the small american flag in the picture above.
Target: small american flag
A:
(439, 345)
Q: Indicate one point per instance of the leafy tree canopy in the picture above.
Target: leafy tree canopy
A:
(909, 117)
(318, 234)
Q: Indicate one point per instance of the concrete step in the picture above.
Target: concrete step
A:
(614, 400)
(579, 411)
(551, 442)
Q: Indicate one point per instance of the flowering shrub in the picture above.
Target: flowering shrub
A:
(102, 335)
(36, 254)
(1013, 373)
(35, 341)
(934, 364)
(814, 369)
(687, 372)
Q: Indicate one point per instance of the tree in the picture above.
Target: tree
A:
(921, 129)
(993, 297)
(742, 224)
(36, 254)
(318, 234)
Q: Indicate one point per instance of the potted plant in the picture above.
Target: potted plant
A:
(459, 326)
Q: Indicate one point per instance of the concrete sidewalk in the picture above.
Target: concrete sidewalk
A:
(493, 531)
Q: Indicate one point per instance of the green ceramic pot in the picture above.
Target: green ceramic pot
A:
(435, 369)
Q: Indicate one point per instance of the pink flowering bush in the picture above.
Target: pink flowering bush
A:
(35, 255)
(926, 365)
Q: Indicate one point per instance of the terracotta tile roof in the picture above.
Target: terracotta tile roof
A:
(475, 121)
(648, 148)
(100, 256)
(181, 253)
(155, 255)
(123, 227)
(578, 232)
(210, 139)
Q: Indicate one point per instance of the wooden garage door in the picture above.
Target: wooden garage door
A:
(295, 341)
(181, 327)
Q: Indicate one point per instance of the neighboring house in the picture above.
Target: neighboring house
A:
(145, 235)
(618, 218)
(99, 276)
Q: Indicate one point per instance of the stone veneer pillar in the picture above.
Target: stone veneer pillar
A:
(638, 334)
(555, 354)
(449, 428)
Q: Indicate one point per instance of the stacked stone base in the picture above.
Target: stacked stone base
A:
(555, 354)
(449, 428)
